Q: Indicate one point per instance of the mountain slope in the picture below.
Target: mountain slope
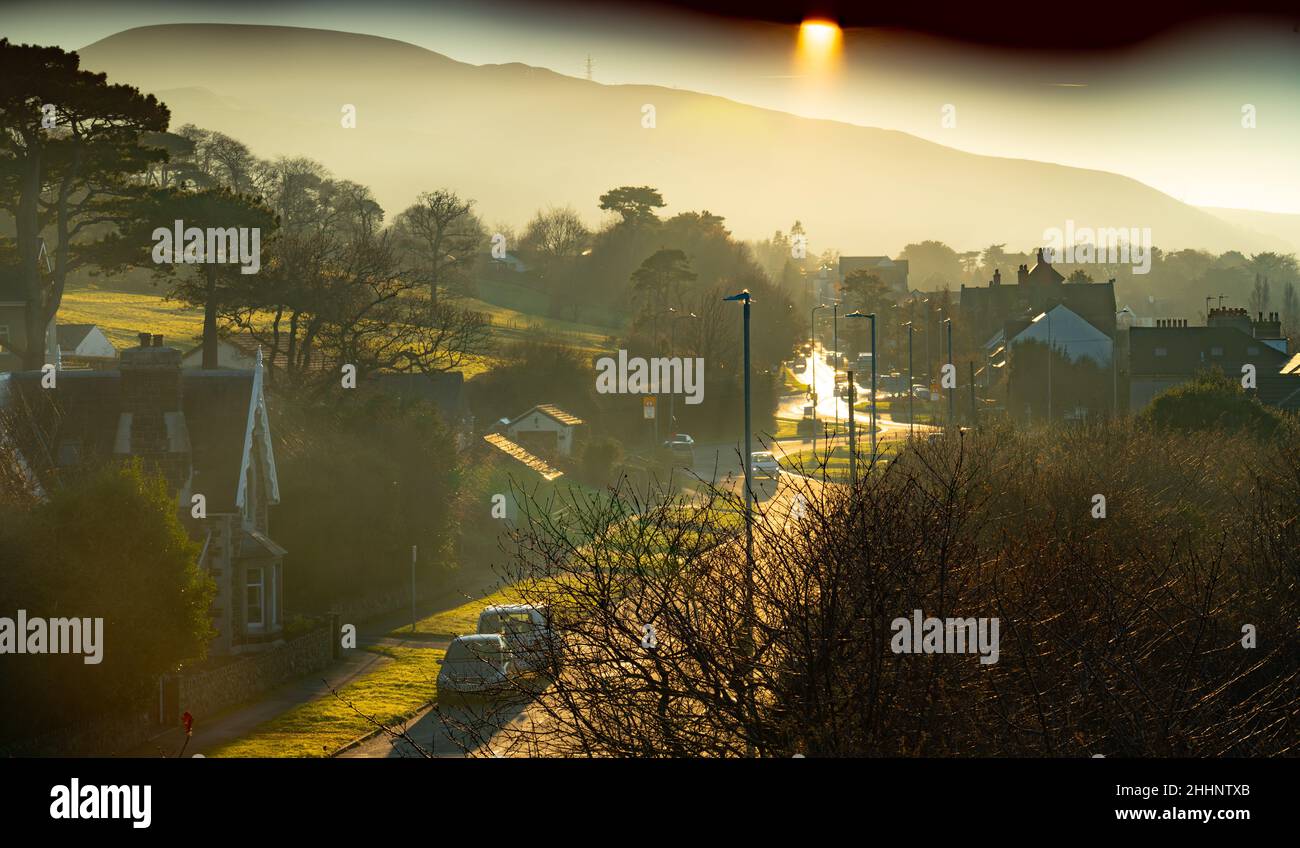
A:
(517, 138)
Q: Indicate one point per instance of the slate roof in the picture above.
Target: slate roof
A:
(1188, 350)
(215, 404)
(72, 335)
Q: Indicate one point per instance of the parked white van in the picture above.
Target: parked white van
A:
(527, 633)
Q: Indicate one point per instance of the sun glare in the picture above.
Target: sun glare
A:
(819, 44)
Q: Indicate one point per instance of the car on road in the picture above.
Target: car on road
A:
(527, 631)
(476, 665)
(764, 464)
(682, 448)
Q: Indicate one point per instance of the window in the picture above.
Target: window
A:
(69, 452)
(253, 594)
(1216, 351)
(1160, 351)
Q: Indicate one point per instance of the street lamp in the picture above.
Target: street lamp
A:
(911, 394)
(835, 365)
(852, 449)
(744, 298)
(672, 351)
(953, 390)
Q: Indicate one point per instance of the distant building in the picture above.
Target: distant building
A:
(986, 311)
(84, 344)
(240, 351)
(206, 433)
(892, 272)
(1064, 331)
(545, 428)
(1172, 352)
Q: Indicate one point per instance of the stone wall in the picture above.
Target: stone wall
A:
(206, 693)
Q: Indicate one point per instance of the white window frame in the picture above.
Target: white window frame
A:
(275, 595)
(260, 585)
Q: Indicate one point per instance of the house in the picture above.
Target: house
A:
(1063, 330)
(987, 310)
(207, 433)
(1172, 352)
(83, 344)
(892, 272)
(239, 351)
(545, 428)
(231, 354)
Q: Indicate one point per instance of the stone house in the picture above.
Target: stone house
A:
(208, 434)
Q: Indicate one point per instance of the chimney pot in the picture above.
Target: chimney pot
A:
(157, 340)
(144, 339)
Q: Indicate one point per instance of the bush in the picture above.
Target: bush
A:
(1211, 401)
(1118, 635)
(107, 545)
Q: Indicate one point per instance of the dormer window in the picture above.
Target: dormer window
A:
(69, 453)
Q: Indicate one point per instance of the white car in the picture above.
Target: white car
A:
(764, 464)
(474, 665)
(527, 633)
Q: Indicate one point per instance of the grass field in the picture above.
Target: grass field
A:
(122, 315)
(398, 689)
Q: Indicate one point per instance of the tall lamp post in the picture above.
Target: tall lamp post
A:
(672, 351)
(953, 390)
(744, 298)
(911, 394)
(852, 448)
(835, 365)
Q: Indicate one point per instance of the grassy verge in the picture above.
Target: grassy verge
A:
(398, 689)
(462, 619)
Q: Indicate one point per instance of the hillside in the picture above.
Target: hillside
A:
(517, 138)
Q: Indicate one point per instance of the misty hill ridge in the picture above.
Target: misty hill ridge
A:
(517, 138)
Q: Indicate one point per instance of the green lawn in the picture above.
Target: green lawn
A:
(464, 618)
(121, 315)
(398, 689)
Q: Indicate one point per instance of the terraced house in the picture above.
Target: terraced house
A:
(206, 432)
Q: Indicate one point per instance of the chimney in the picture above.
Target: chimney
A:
(1022, 275)
(151, 424)
(997, 276)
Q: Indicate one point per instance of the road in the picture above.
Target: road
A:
(452, 729)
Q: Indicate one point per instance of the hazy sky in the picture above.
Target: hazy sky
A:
(1169, 114)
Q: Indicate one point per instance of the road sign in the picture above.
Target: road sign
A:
(648, 407)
